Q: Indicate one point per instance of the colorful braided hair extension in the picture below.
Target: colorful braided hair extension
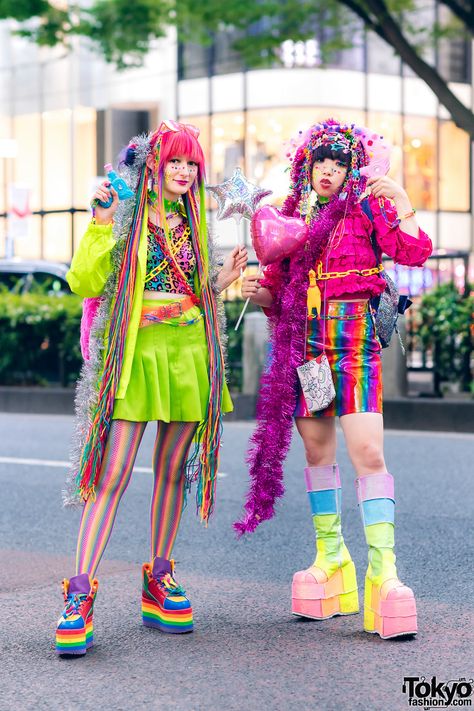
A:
(181, 140)
(94, 448)
(170, 140)
(204, 461)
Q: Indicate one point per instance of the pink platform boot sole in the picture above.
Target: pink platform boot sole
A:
(320, 601)
(392, 616)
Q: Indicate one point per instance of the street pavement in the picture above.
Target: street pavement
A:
(247, 651)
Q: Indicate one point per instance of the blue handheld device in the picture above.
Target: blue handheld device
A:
(119, 184)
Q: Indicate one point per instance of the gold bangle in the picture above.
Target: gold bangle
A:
(408, 215)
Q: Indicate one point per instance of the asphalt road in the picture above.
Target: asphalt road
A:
(247, 651)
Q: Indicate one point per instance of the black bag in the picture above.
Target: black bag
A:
(390, 303)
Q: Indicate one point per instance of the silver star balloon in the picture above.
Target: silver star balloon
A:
(237, 197)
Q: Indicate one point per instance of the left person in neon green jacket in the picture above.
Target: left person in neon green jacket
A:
(147, 268)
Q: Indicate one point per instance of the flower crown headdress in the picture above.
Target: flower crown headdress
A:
(369, 156)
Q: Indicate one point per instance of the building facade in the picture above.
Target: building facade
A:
(69, 113)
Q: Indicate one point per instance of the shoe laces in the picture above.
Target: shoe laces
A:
(170, 586)
(73, 603)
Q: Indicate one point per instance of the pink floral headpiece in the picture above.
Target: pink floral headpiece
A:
(370, 154)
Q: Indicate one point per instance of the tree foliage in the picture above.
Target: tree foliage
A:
(123, 31)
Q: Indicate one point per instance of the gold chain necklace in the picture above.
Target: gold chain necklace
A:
(175, 248)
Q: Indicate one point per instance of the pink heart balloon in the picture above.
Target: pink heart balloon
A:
(276, 236)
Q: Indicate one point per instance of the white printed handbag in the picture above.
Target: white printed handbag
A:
(316, 383)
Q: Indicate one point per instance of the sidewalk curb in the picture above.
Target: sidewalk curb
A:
(435, 414)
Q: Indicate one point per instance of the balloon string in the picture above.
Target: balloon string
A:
(242, 315)
(244, 308)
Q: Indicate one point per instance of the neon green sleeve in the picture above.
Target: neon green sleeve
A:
(91, 264)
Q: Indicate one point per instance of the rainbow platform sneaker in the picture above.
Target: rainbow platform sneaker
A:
(389, 605)
(75, 630)
(329, 586)
(164, 602)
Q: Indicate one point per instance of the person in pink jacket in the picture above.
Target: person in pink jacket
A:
(320, 300)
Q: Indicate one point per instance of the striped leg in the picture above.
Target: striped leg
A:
(173, 440)
(98, 516)
(389, 606)
(329, 586)
(164, 603)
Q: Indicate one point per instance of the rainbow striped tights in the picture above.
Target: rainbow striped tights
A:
(172, 443)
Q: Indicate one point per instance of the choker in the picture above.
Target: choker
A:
(172, 207)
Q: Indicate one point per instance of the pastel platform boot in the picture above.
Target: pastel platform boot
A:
(164, 602)
(389, 605)
(329, 586)
(75, 630)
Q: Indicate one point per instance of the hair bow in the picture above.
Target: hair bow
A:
(175, 127)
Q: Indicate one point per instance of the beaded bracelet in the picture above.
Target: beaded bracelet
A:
(408, 214)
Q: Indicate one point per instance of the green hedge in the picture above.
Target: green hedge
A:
(39, 339)
(445, 329)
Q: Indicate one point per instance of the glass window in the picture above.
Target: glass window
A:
(226, 59)
(194, 61)
(27, 128)
(29, 247)
(381, 59)
(203, 123)
(453, 167)
(57, 237)
(454, 53)
(353, 57)
(268, 142)
(227, 145)
(390, 126)
(454, 59)
(6, 149)
(81, 222)
(84, 154)
(419, 151)
(3, 227)
(57, 142)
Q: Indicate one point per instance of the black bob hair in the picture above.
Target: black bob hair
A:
(322, 152)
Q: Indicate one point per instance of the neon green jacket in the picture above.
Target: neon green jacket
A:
(91, 266)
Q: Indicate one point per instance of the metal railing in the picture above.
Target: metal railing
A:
(442, 267)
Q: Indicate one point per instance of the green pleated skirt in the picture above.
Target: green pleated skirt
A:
(169, 379)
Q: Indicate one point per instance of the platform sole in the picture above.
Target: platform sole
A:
(321, 601)
(168, 621)
(392, 617)
(74, 642)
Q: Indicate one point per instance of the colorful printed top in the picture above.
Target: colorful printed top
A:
(351, 248)
(160, 275)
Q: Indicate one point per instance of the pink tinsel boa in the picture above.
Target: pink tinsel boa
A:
(271, 439)
(89, 311)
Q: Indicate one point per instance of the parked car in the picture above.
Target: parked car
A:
(25, 275)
